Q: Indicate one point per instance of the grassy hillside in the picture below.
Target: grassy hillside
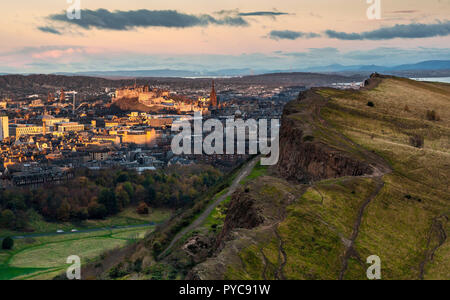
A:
(399, 211)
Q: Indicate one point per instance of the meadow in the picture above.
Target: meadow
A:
(44, 257)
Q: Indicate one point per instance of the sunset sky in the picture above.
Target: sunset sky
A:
(37, 36)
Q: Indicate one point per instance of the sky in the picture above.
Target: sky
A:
(40, 37)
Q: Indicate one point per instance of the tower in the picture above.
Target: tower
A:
(213, 96)
(50, 97)
(62, 96)
(4, 127)
(74, 103)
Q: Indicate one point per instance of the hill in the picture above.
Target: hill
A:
(361, 173)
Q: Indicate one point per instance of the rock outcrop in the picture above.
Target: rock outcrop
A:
(304, 157)
(242, 213)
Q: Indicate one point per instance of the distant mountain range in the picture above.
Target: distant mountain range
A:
(425, 65)
(433, 66)
(168, 73)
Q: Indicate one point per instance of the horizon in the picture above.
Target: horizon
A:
(203, 36)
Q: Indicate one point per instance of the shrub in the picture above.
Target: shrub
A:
(370, 104)
(417, 141)
(432, 116)
(407, 108)
(157, 248)
(308, 138)
(137, 266)
(142, 209)
(117, 272)
(8, 243)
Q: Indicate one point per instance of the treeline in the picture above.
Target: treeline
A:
(98, 194)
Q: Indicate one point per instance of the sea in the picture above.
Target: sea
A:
(434, 79)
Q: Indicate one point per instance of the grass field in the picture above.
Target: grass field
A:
(128, 217)
(44, 257)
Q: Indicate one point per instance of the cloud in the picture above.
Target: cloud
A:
(409, 31)
(263, 14)
(290, 35)
(57, 53)
(128, 20)
(49, 29)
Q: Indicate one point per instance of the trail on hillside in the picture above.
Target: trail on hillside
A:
(437, 228)
(380, 168)
(279, 274)
(350, 251)
(243, 173)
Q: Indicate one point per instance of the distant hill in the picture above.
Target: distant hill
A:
(425, 65)
(164, 73)
(421, 66)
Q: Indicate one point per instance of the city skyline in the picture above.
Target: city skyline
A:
(137, 35)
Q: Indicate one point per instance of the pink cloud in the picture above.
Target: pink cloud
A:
(53, 54)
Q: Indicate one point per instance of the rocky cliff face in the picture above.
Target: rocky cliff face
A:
(303, 157)
(242, 213)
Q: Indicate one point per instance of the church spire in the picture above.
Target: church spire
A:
(213, 96)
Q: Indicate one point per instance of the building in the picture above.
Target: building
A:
(70, 127)
(62, 96)
(50, 121)
(4, 127)
(18, 130)
(213, 96)
(139, 137)
(99, 154)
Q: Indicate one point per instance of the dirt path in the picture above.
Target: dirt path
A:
(244, 172)
(437, 229)
(350, 251)
(282, 256)
(266, 264)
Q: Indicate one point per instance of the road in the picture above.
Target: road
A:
(243, 173)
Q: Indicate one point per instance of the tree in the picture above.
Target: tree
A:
(63, 212)
(142, 209)
(129, 188)
(8, 243)
(122, 197)
(108, 199)
(7, 219)
(151, 195)
(122, 177)
(97, 211)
